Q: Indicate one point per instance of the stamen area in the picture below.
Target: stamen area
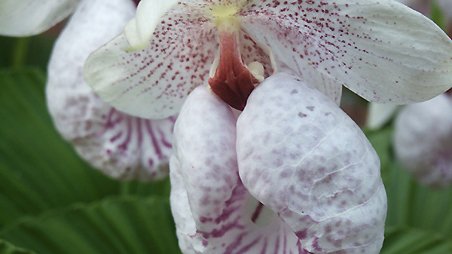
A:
(232, 82)
(225, 16)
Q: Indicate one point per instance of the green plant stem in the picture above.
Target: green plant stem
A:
(20, 52)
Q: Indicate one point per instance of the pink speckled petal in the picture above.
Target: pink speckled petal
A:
(29, 17)
(139, 30)
(423, 140)
(120, 145)
(303, 157)
(154, 82)
(213, 211)
(380, 49)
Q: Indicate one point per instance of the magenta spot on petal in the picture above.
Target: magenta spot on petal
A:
(302, 234)
(257, 212)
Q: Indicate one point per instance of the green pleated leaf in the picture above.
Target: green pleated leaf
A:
(419, 218)
(8, 248)
(416, 206)
(415, 241)
(38, 169)
(119, 225)
(437, 14)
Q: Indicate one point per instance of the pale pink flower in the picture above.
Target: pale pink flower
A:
(423, 140)
(120, 145)
(293, 174)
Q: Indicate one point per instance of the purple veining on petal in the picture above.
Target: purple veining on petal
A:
(127, 141)
(257, 212)
(209, 209)
(109, 140)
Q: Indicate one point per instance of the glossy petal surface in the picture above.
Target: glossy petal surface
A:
(154, 82)
(213, 211)
(120, 145)
(380, 49)
(423, 140)
(303, 157)
(29, 17)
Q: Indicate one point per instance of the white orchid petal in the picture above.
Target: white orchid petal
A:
(380, 49)
(30, 17)
(154, 82)
(423, 140)
(379, 114)
(303, 157)
(119, 145)
(213, 211)
(139, 30)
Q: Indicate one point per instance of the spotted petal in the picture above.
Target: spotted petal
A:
(213, 211)
(120, 145)
(139, 30)
(303, 157)
(423, 140)
(153, 82)
(380, 49)
(29, 17)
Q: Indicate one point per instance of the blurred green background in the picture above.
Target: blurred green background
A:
(53, 202)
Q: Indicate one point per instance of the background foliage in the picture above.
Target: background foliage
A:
(52, 202)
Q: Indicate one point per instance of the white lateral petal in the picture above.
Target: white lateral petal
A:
(213, 211)
(379, 114)
(154, 82)
(139, 30)
(380, 49)
(303, 157)
(120, 145)
(423, 140)
(29, 17)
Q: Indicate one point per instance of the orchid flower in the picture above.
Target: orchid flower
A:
(423, 140)
(293, 174)
(119, 145)
(380, 49)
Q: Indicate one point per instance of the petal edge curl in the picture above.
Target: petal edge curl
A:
(30, 17)
(380, 49)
